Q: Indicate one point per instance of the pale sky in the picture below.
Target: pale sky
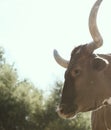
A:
(31, 29)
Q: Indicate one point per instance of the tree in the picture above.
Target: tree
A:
(19, 100)
(30, 105)
(8, 78)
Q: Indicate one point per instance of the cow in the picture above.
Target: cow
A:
(87, 85)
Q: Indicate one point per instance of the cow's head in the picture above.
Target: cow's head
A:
(83, 88)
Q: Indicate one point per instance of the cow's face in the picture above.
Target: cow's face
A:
(84, 84)
(83, 87)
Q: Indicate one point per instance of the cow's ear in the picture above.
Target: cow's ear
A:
(100, 63)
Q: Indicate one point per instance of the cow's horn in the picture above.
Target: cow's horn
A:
(64, 63)
(97, 38)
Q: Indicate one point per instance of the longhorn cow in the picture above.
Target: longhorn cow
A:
(87, 85)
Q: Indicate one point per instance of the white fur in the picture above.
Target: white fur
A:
(108, 101)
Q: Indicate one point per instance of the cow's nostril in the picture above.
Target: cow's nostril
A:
(61, 110)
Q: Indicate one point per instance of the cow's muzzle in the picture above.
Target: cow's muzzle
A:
(67, 111)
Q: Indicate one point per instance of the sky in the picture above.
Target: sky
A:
(31, 29)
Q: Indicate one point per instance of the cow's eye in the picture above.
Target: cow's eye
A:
(75, 72)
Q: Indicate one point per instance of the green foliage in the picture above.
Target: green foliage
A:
(19, 100)
(2, 59)
(22, 106)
